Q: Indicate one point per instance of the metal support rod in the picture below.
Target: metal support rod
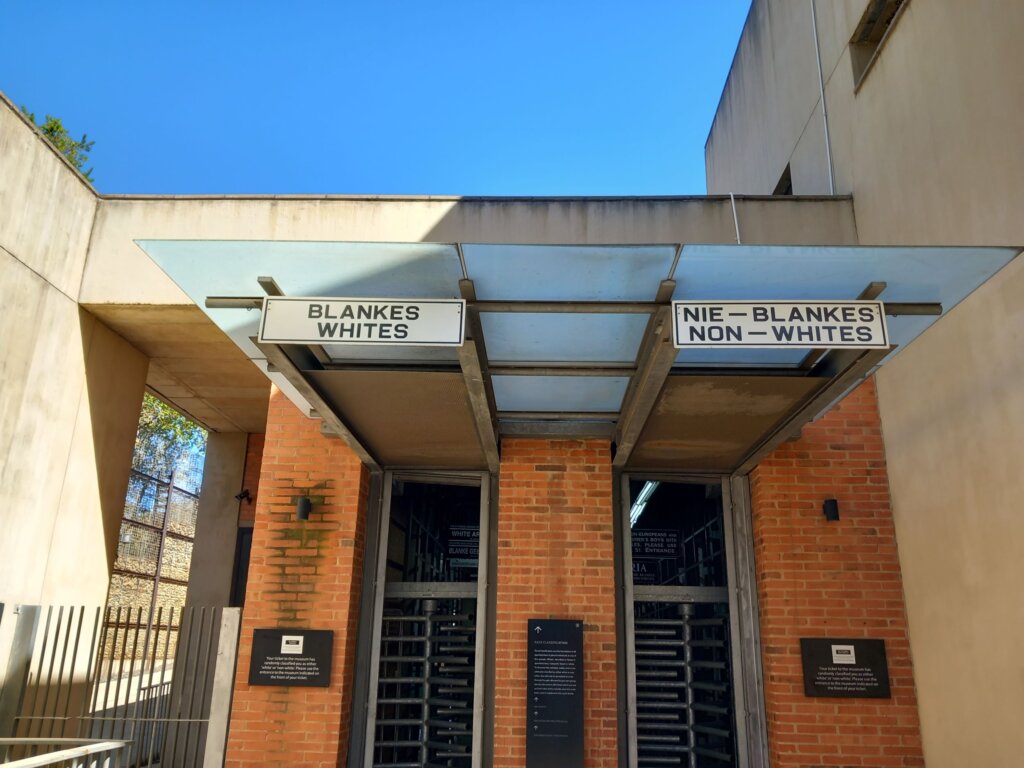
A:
(476, 374)
(686, 614)
(277, 357)
(824, 109)
(582, 307)
(735, 218)
(269, 285)
(160, 551)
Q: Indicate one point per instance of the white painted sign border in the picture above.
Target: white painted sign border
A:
(732, 313)
(440, 331)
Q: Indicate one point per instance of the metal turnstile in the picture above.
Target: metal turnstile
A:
(425, 684)
(684, 711)
(425, 679)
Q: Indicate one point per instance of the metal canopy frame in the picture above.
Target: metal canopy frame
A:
(655, 362)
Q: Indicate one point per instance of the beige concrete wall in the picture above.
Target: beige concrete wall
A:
(953, 418)
(118, 272)
(69, 388)
(83, 546)
(209, 579)
(929, 146)
(936, 128)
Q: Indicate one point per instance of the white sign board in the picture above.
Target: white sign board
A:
(759, 324)
(425, 322)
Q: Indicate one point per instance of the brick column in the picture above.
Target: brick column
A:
(555, 560)
(841, 579)
(303, 574)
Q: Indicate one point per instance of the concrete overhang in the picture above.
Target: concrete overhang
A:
(196, 367)
(567, 324)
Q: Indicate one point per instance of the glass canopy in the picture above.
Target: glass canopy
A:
(524, 295)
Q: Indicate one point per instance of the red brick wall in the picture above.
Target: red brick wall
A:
(251, 476)
(840, 579)
(555, 560)
(301, 574)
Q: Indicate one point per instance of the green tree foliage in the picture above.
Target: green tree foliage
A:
(165, 438)
(76, 151)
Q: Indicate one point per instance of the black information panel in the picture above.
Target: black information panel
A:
(299, 657)
(842, 668)
(554, 694)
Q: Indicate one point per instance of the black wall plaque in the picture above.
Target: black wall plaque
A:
(842, 668)
(299, 657)
(554, 694)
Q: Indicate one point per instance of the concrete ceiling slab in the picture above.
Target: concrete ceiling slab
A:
(193, 364)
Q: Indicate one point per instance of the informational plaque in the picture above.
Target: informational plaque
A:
(554, 694)
(842, 668)
(300, 657)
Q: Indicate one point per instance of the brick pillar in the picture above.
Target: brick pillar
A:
(303, 574)
(842, 579)
(556, 560)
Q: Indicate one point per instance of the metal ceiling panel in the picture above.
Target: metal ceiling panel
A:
(406, 418)
(709, 423)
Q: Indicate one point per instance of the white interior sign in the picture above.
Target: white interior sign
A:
(303, 320)
(758, 324)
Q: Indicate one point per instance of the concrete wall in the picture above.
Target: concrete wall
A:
(213, 554)
(929, 147)
(70, 389)
(118, 272)
(953, 417)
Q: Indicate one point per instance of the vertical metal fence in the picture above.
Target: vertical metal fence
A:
(154, 551)
(158, 681)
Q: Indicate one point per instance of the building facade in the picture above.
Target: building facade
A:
(699, 515)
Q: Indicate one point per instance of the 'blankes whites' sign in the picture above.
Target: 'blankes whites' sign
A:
(425, 322)
(758, 324)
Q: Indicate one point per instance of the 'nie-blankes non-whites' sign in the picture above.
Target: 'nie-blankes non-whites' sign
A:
(758, 324)
(424, 322)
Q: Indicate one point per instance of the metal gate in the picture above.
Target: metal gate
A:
(160, 682)
(682, 698)
(426, 684)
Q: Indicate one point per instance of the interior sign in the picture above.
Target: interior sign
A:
(426, 322)
(759, 324)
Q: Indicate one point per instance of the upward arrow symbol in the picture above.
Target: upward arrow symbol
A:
(537, 630)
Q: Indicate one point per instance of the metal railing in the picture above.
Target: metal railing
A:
(70, 752)
(158, 684)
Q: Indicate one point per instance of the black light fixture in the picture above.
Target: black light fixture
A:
(831, 509)
(303, 506)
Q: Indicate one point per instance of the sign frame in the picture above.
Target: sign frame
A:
(436, 306)
(554, 693)
(291, 647)
(845, 668)
(876, 325)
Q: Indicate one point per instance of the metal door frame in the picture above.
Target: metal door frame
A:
(744, 632)
(482, 481)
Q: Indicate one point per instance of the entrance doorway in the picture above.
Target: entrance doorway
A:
(426, 683)
(679, 628)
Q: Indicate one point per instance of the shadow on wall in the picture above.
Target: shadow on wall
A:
(115, 378)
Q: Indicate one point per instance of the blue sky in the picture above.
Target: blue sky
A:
(399, 97)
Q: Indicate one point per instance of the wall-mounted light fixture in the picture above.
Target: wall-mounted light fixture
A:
(831, 509)
(244, 496)
(303, 506)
